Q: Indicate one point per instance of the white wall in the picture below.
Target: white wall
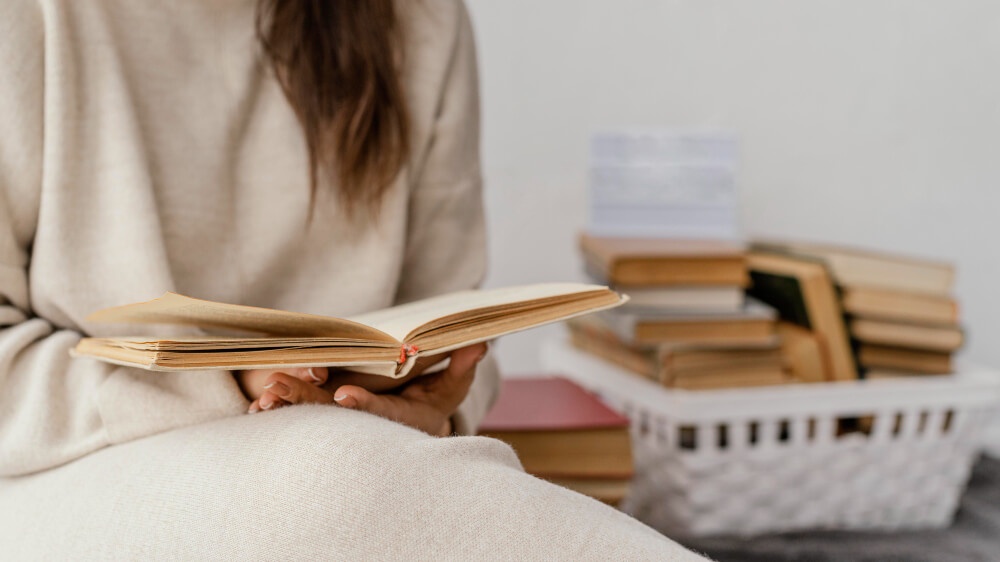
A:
(872, 122)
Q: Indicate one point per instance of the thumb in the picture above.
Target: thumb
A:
(445, 391)
(464, 360)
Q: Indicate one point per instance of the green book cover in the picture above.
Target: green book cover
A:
(783, 293)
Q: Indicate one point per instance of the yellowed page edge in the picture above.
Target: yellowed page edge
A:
(399, 321)
(383, 368)
(173, 308)
(435, 351)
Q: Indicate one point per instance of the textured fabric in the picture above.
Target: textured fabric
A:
(311, 483)
(144, 148)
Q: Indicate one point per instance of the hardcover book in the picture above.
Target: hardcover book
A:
(944, 339)
(560, 430)
(804, 353)
(804, 294)
(386, 342)
(753, 324)
(693, 366)
(853, 268)
(640, 262)
(899, 306)
(902, 359)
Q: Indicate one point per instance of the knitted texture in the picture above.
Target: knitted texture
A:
(146, 147)
(311, 483)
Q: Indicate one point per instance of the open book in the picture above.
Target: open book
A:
(385, 342)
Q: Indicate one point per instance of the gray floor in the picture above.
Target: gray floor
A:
(975, 536)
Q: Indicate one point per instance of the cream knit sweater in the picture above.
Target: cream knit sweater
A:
(145, 148)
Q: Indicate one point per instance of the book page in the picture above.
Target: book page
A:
(378, 361)
(215, 343)
(400, 321)
(172, 308)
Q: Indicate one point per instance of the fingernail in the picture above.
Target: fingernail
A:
(265, 404)
(279, 388)
(345, 400)
(253, 409)
(313, 375)
(269, 385)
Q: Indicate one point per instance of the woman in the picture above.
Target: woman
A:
(317, 156)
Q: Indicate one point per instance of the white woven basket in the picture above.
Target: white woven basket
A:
(755, 460)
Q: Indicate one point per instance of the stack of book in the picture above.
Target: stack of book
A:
(564, 434)
(899, 312)
(812, 323)
(688, 324)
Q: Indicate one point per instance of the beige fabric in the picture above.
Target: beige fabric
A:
(143, 148)
(311, 483)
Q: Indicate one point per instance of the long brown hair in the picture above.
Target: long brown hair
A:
(338, 62)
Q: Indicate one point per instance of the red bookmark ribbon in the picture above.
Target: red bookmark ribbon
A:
(406, 352)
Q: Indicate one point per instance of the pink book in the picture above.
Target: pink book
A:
(547, 404)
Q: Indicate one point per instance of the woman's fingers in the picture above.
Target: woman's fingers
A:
(252, 381)
(354, 397)
(425, 403)
(446, 390)
(416, 414)
(282, 389)
(267, 401)
(312, 375)
(255, 378)
(317, 375)
(357, 398)
(294, 390)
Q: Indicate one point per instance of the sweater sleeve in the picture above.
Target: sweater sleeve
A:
(53, 408)
(45, 417)
(446, 242)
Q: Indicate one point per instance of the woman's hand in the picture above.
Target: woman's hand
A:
(426, 402)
